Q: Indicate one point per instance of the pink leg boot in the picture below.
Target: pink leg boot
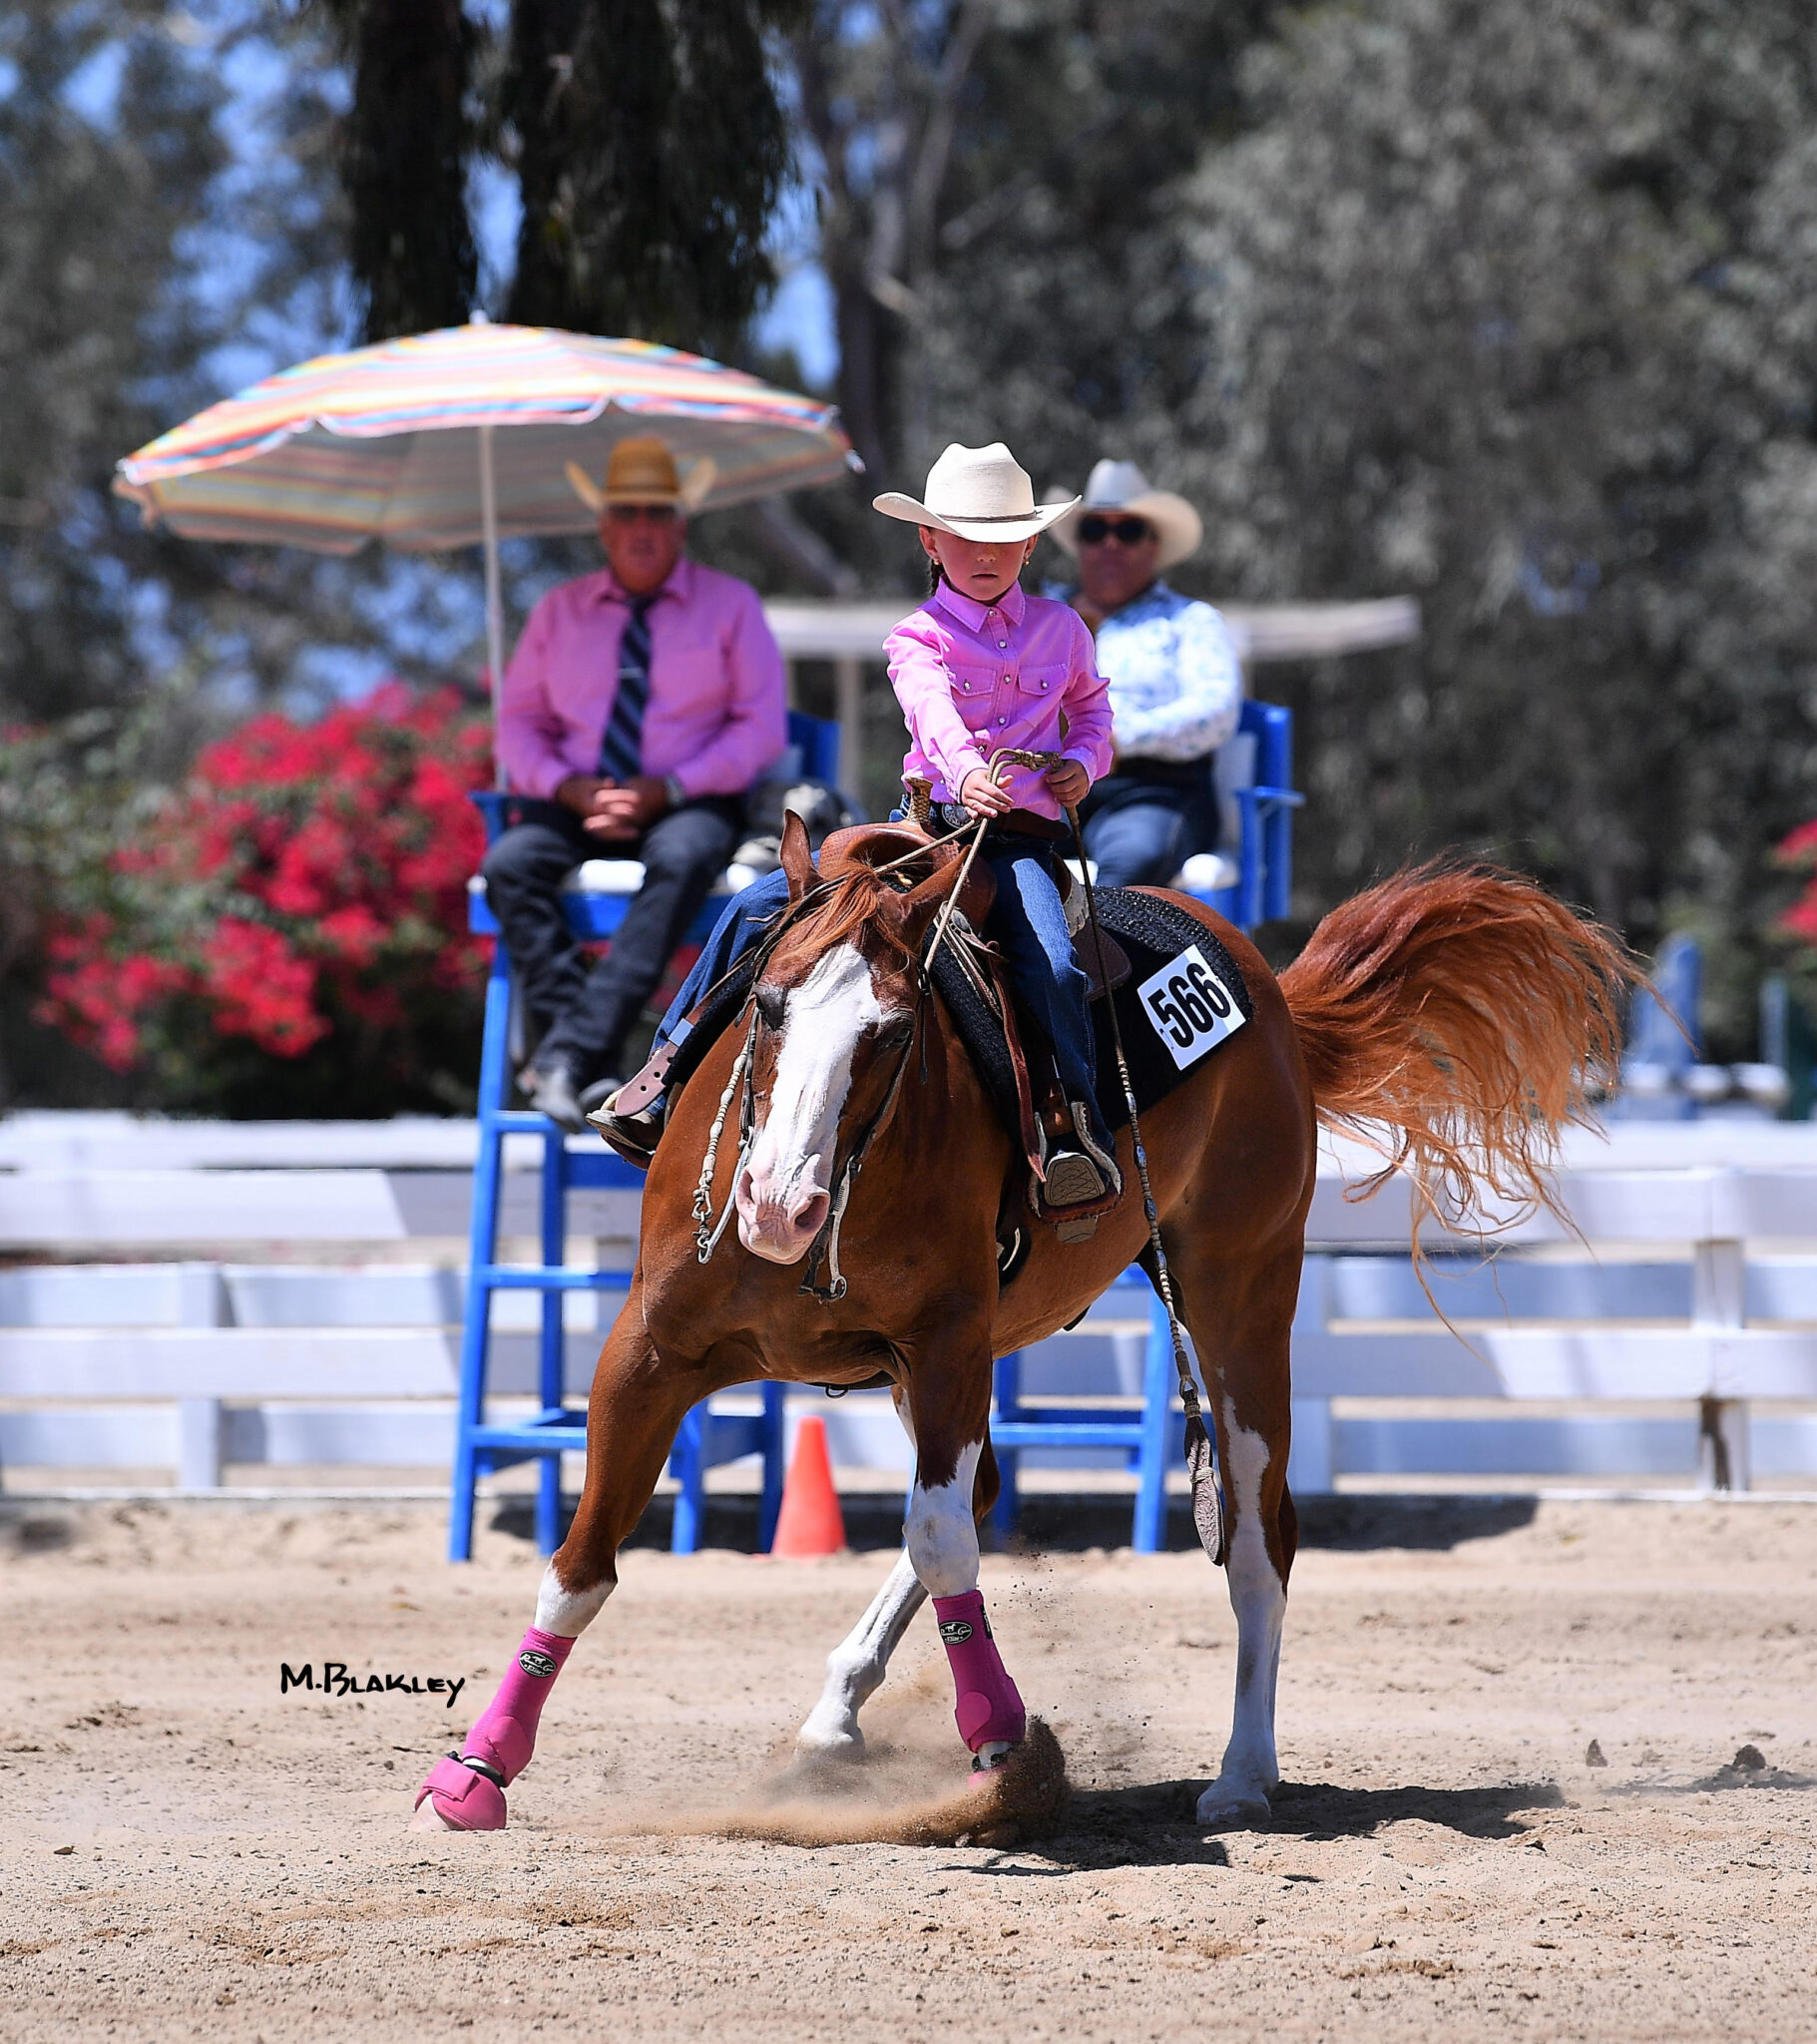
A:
(468, 1788)
(989, 1711)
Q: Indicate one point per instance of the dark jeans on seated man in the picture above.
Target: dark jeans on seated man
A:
(1145, 818)
(584, 1012)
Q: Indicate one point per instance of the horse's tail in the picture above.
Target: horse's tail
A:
(1457, 1018)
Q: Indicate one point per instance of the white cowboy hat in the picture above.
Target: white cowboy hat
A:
(641, 470)
(977, 493)
(1122, 486)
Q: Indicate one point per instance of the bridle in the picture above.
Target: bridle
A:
(741, 1084)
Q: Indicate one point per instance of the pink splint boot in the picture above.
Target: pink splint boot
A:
(989, 1711)
(469, 1786)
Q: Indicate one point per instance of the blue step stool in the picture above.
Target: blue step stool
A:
(706, 1438)
(1153, 1440)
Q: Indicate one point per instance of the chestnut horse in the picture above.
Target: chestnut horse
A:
(1457, 1013)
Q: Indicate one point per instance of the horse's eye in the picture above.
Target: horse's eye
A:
(772, 1004)
(896, 1032)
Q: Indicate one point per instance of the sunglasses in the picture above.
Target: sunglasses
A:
(1127, 532)
(628, 514)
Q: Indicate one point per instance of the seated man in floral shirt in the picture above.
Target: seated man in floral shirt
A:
(1177, 684)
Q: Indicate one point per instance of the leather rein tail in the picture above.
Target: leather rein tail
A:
(1208, 1516)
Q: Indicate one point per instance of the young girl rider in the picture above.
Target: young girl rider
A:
(981, 667)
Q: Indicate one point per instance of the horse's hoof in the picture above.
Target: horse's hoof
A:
(830, 1750)
(458, 1798)
(1224, 1808)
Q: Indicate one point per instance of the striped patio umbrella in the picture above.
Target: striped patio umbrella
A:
(402, 442)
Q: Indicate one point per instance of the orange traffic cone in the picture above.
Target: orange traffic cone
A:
(811, 1521)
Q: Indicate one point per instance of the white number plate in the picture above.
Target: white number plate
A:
(1191, 1008)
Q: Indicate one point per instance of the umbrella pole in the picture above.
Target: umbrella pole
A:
(495, 606)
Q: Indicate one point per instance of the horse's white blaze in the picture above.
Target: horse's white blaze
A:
(1250, 1773)
(857, 1664)
(566, 1613)
(792, 1158)
(941, 1534)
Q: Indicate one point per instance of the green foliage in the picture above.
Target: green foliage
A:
(646, 136)
(71, 795)
(1513, 306)
(404, 148)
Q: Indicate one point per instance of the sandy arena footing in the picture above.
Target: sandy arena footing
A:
(1551, 1774)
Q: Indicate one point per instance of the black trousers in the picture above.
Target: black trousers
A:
(585, 1014)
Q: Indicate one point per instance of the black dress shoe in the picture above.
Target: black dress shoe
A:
(553, 1092)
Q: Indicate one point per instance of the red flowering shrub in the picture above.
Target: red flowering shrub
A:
(304, 895)
(1799, 851)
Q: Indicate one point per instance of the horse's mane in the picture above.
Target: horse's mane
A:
(856, 901)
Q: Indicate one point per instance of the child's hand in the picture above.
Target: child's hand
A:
(1069, 784)
(981, 795)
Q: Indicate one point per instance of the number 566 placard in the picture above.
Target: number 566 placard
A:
(1191, 1008)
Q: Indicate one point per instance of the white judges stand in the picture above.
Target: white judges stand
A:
(193, 1300)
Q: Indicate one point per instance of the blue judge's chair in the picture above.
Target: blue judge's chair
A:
(1248, 880)
(596, 899)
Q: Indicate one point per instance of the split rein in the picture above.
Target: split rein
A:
(741, 1084)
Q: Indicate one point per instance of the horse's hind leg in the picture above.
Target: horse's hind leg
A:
(1241, 1317)
(633, 1413)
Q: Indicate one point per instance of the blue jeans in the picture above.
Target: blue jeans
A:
(1141, 844)
(1027, 920)
(740, 925)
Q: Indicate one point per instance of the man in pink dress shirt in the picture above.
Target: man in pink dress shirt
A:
(640, 706)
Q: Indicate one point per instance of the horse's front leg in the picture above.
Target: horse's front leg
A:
(949, 1406)
(633, 1413)
(856, 1667)
(857, 1664)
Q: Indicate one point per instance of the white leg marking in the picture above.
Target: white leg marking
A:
(566, 1613)
(1249, 1774)
(941, 1533)
(856, 1667)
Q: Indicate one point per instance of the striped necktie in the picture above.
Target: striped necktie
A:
(621, 749)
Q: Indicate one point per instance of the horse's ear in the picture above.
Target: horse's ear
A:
(797, 858)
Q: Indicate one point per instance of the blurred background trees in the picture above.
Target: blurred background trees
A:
(1513, 309)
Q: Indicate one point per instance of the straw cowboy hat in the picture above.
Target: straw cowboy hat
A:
(642, 471)
(977, 493)
(1122, 486)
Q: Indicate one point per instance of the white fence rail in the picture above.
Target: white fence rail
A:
(1676, 1342)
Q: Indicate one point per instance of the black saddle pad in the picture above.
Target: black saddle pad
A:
(1183, 997)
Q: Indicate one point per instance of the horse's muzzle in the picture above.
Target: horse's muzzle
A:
(778, 1223)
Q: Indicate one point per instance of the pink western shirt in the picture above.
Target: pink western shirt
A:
(716, 717)
(973, 679)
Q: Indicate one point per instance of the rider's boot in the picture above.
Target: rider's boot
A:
(632, 1119)
(1081, 1169)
